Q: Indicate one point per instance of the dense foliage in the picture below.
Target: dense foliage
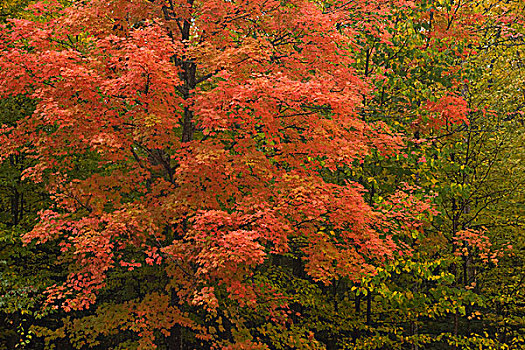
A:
(261, 174)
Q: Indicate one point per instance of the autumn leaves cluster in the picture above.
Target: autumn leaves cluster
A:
(261, 174)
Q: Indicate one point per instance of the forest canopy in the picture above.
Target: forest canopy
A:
(262, 174)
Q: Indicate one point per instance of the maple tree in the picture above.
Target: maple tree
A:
(193, 138)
